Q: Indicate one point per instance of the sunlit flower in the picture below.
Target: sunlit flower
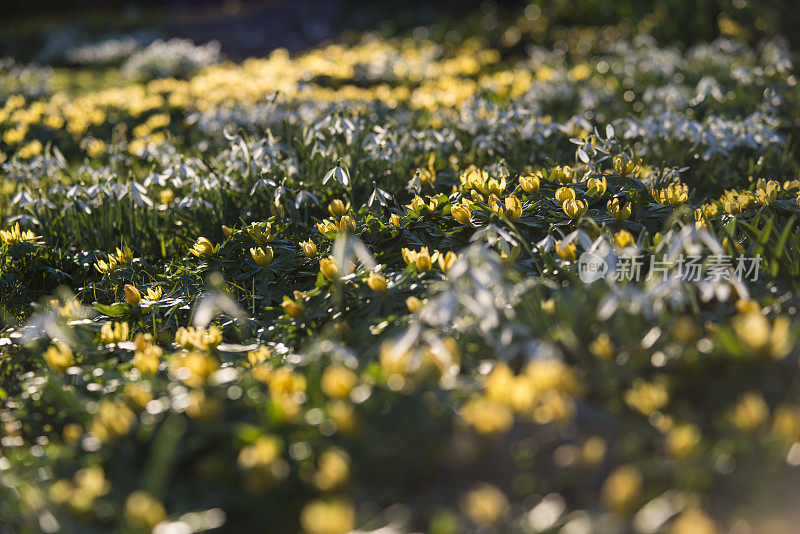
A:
(562, 174)
(563, 194)
(15, 235)
(575, 208)
(309, 248)
(203, 247)
(377, 282)
(262, 256)
(59, 357)
(337, 208)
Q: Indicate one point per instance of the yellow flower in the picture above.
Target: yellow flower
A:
(59, 357)
(751, 412)
(461, 213)
(529, 183)
(487, 417)
(147, 356)
(347, 224)
(144, 511)
(337, 208)
(566, 251)
(329, 269)
(333, 470)
(485, 504)
(672, 195)
(308, 248)
(153, 294)
(394, 220)
(132, 295)
(123, 255)
(262, 256)
(575, 208)
(105, 267)
(617, 211)
(647, 397)
(682, 440)
(335, 516)
(562, 174)
(600, 184)
(227, 232)
(114, 333)
(513, 208)
(202, 247)
(446, 261)
(624, 165)
(426, 176)
(338, 382)
(198, 338)
(194, 368)
(422, 260)
(15, 235)
(622, 490)
(261, 233)
(413, 304)
(564, 193)
(327, 226)
(113, 420)
(166, 196)
(731, 206)
(294, 309)
(603, 347)
(624, 239)
(377, 282)
(693, 521)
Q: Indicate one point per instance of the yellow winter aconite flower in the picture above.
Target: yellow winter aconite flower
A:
(512, 210)
(487, 417)
(347, 224)
(425, 176)
(333, 470)
(198, 338)
(624, 165)
(147, 357)
(461, 213)
(566, 251)
(647, 397)
(59, 357)
(446, 261)
(563, 194)
(622, 490)
(153, 294)
(114, 332)
(529, 183)
(262, 256)
(309, 248)
(166, 196)
(394, 219)
(328, 226)
(203, 247)
(750, 412)
(113, 420)
(337, 208)
(682, 440)
(485, 504)
(731, 206)
(762, 338)
(14, 235)
(562, 174)
(603, 347)
(338, 381)
(329, 268)
(115, 259)
(422, 259)
(624, 239)
(193, 368)
(144, 511)
(693, 521)
(575, 208)
(618, 211)
(600, 184)
(413, 304)
(261, 463)
(293, 308)
(132, 295)
(261, 233)
(377, 282)
(672, 195)
(335, 516)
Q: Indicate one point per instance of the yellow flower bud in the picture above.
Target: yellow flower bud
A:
(337, 208)
(329, 269)
(564, 193)
(529, 183)
(413, 304)
(575, 208)
(262, 256)
(562, 174)
(308, 248)
(461, 213)
(377, 282)
(132, 295)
